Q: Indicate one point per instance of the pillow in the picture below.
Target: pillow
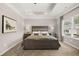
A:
(36, 33)
(44, 33)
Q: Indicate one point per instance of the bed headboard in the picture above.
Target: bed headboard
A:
(40, 28)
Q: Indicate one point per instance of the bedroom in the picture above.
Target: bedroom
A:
(38, 27)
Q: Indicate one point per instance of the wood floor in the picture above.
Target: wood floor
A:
(64, 50)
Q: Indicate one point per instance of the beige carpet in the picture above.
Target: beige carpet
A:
(64, 50)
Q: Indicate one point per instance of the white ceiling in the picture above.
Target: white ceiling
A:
(53, 9)
(31, 8)
(62, 8)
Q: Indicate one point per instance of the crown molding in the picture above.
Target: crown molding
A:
(68, 10)
(14, 9)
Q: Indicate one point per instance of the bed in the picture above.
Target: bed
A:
(40, 40)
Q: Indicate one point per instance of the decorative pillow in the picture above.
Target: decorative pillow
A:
(44, 33)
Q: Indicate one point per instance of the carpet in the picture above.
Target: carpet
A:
(64, 50)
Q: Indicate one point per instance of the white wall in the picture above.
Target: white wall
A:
(40, 20)
(7, 40)
(68, 16)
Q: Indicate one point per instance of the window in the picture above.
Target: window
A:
(67, 27)
(70, 27)
(76, 27)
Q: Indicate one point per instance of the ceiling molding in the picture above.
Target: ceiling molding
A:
(14, 9)
(68, 10)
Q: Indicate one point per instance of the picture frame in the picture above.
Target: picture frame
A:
(8, 24)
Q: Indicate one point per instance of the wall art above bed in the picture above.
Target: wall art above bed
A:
(8, 24)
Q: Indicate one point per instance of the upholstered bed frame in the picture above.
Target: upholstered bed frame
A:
(42, 44)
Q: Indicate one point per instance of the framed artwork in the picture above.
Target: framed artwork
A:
(8, 24)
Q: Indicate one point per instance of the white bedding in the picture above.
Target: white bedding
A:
(41, 33)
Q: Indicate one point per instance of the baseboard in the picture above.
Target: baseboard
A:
(10, 47)
(71, 45)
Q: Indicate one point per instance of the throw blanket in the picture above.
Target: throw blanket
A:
(40, 37)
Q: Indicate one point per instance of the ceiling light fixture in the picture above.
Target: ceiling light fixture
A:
(35, 3)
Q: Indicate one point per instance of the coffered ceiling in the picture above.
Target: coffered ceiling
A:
(51, 9)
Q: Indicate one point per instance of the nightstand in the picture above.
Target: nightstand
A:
(26, 35)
